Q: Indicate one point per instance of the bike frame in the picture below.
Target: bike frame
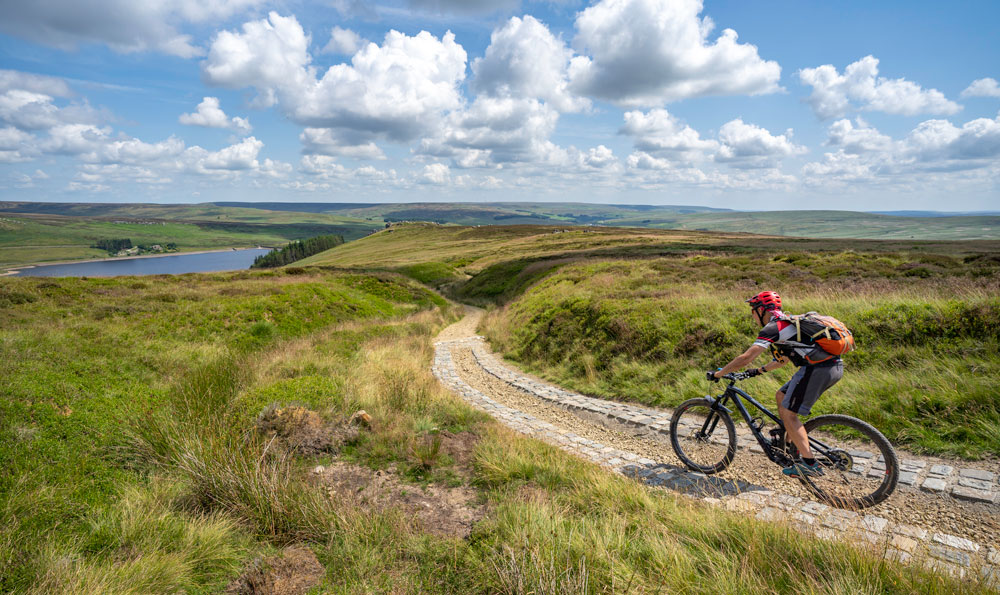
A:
(776, 455)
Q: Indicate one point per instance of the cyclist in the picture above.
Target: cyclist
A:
(798, 395)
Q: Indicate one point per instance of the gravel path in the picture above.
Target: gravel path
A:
(932, 512)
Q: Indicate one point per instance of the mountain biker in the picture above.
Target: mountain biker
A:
(798, 395)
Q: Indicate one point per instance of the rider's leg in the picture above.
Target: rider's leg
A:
(794, 430)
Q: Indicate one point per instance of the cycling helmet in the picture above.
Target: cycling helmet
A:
(765, 300)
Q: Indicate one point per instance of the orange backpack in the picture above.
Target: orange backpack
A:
(830, 334)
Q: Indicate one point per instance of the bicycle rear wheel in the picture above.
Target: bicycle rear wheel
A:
(704, 439)
(860, 467)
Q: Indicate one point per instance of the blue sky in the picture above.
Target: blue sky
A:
(748, 105)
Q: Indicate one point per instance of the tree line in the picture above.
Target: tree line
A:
(296, 250)
(113, 246)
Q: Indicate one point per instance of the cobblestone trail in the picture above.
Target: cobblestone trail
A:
(920, 522)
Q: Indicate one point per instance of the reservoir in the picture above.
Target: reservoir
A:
(174, 264)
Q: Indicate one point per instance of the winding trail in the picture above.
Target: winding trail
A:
(922, 521)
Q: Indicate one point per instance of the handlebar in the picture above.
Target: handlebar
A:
(737, 376)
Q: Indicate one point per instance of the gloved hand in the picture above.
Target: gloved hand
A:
(710, 375)
(752, 372)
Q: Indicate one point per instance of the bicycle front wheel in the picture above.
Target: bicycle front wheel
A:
(703, 438)
(860, 467)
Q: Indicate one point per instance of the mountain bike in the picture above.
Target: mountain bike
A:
(859, 466)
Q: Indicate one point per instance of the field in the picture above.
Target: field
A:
(161, 434)
(48, 232)
(638, 315)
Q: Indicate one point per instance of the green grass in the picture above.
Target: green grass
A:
(471, 250)
(131, 462)
(924, 371)
(84, 359)
(638, 314)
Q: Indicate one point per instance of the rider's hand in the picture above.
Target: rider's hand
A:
(710, 376)
(752, 372)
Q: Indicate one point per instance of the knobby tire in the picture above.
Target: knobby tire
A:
(707, 454)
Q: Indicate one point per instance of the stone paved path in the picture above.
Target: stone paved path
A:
(908, 543)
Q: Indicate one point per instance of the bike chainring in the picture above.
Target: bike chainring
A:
(840, 460)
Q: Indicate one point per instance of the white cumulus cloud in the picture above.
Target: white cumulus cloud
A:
(33, 83)
(329, 141)
(343, 41)
(494, 132)
(748, 146)
(435, 173)
(524, 60)
(987, 87)
(861, 88)
(650, 52)
(933, 153)
(940, 140)
(857, 137)
(210, 115)
(659, 132)
(268, 55)
(396, 90)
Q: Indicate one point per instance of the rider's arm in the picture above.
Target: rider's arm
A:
(741, 360)
(774, 364)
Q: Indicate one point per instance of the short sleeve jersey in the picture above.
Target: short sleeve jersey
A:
(779, 336)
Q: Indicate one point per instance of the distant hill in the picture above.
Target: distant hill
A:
(354, 220)
(916, 225)
(500, 213)
(934, 213)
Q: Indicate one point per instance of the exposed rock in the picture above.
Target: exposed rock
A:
(441, 510)
(292, 572)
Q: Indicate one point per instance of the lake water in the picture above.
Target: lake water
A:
(230, 260)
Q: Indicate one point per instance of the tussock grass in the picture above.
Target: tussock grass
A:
(157, 481)
(141, 544)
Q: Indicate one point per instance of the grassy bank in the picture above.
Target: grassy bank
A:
(83, 360)
(927, 332)
(131, 430)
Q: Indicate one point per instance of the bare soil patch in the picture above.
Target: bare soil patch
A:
(303, 430)
(461, 447)
(292, 572)
(441, 510)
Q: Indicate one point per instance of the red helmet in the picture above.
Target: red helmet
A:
(765, 300)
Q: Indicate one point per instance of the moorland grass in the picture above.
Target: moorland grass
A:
(135, 466)
(637, 314)
(645, 330)
(83, 360)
